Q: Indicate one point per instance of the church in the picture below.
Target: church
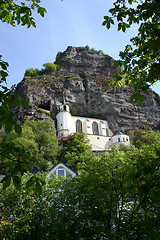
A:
(97, 130)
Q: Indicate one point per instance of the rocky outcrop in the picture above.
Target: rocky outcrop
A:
(83, 80)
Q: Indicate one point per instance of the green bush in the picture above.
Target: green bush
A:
(50, 67)
(94, 50)
(31, 72)
(47, 68)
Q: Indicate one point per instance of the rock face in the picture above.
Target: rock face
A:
(83, 81)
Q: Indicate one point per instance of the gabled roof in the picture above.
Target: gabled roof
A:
(61, 164)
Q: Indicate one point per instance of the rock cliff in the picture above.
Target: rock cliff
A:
(83, 80)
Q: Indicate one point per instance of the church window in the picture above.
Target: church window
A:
(79, 126)
(107, 132)
(127, 139)
(95, 128)
(64, 108)
(123, 139)
(119, 140)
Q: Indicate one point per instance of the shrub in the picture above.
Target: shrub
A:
(31, 72)
(48, 68)
(94, 50)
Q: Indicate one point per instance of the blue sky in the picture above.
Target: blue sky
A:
(67, 23)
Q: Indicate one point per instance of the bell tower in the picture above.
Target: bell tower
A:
(63, 121)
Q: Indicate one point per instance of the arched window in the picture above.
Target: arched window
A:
(79, 126)
(107, 132)
(95, 128)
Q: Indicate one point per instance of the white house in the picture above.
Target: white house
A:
(61, 169)
(97, 130)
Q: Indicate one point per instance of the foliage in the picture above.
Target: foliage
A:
(48, 68)
(38, 138)
(141, 136)
(44, 111)
(140, 61)
(20, 13)
(75, 77)
(94, 50)
(75, 151)
(14, 13)
(23, 210)
(116, 196)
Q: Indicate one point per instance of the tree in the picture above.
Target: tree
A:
(115, 196)
(38, 138)
(140, 61)
(139, 137)
(14, 13)
(46, 141)
(75, 151)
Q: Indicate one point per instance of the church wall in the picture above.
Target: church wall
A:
(87, 125)
(63, 123)
(97, 130)
(118, 139)
(99, 143)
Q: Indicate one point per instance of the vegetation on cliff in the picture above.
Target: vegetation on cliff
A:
(47, 69)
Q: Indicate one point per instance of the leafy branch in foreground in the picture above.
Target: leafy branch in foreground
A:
(140, 61)
(16, 160)
(13, 13)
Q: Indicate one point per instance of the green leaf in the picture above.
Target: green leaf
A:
(9, 164)
(30, 182)
(119, 26)
(6, 182)
(17, 100)
(38, 186)
(25, 103)
(104, 23)
(18, 128)
(17, 182)
(108, 25)
(8, 127)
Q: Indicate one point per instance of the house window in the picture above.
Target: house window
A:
(68, 175)
(119, 139)
(95, 128)
(60, 172)
(79, 126)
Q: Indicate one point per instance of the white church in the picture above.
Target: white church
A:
(97, 130)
